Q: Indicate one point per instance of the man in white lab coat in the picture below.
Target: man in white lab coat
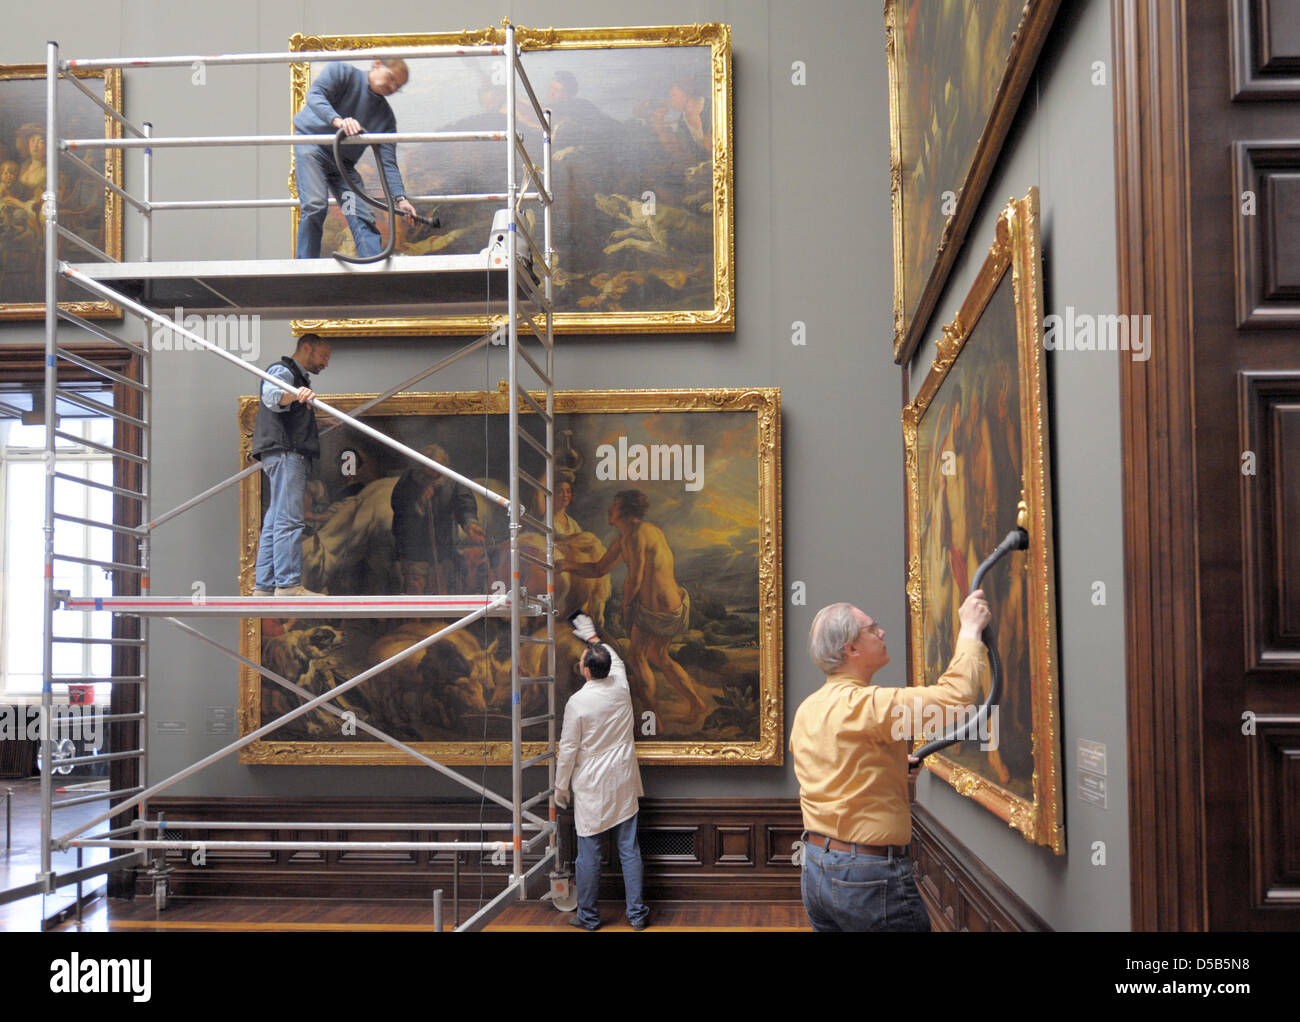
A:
(597, 759)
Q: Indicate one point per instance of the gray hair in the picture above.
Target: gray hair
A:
(832, 629)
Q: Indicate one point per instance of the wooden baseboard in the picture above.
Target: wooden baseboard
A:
(692, 849)
(732, 850)
(959, 890)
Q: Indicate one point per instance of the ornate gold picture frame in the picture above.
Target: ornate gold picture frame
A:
(976, 449)
(708, 466)
(87, 207)
(642, 171)
(957, 72)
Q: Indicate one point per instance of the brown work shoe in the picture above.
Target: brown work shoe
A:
(263, 594)
(298, 590)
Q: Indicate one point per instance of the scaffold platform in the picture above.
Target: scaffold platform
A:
(304, 606)
(311, 288)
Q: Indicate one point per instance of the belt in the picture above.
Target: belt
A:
(836, 845)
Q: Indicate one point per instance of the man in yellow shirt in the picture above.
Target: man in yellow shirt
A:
(849, 741)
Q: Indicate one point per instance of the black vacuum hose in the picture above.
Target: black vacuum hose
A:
(388, 205)
(1016, 539)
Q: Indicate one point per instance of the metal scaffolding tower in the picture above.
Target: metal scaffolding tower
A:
(520, 283)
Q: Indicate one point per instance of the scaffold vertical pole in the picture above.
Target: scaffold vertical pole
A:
(50, 207)
(516, 518)
(552, 685)
(146, 488)
(146, 193)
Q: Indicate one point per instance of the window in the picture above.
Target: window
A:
(22, 552)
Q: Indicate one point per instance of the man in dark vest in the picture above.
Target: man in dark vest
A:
(287, 444)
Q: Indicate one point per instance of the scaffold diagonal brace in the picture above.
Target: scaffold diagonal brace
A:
(279, 722)
(369, 729)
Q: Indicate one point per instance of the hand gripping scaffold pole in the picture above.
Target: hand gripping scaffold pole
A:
(521, 281)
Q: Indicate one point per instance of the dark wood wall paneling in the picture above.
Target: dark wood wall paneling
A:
(1265, 54)
(1157, 430)
(1245, 137)
(959, 890)
(734, 850)
(1268, 239)
(693, 850)
(1274, 777)
(1270, 496)
(1208, 173)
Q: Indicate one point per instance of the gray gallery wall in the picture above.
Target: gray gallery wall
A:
(813, 244)
(1063, 143)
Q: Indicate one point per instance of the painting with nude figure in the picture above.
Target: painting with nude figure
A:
(667, 533)
(977, 465)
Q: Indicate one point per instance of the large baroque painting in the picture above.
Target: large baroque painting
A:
(87, 208)
(641, 163)
(691, 598)
(957, 71)
(976, 442)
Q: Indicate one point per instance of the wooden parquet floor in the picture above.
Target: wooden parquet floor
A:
(209, 915)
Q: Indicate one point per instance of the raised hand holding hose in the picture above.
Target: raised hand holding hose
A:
(979, 614)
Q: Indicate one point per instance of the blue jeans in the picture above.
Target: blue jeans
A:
(588, 870)
(317, 178)
(279, 551)
(854, 892)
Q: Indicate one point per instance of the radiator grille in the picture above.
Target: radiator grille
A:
(667, 843)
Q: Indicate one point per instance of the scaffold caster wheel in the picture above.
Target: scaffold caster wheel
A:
(160, 894)
(562, 895)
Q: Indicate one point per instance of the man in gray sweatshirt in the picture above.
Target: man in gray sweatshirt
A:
(346, 97)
